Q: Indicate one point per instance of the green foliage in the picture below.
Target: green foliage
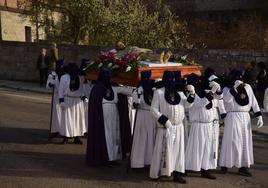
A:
(99, 22)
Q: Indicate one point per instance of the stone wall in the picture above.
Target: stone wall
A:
(18, 59)
(223, 60)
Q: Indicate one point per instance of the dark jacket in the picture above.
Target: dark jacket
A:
(262, 80)
(39, 61)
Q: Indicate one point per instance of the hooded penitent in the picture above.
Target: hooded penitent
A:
(180, 82)
(209, 75)
(171, 93)
(104, 81)
(60, 68)
(83, 66)
(196, 81)
(73, 70)
(97, 153)
(147, 84)
(240, 94)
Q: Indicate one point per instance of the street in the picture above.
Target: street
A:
(29, 160)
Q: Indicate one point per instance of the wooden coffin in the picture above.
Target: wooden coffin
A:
(133, 78)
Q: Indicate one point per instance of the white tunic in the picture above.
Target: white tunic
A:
(202, 146)
(112, 124)
(56, 111)
(145, 132)
(168, 155)
(237, 148)
(87, 89)
(73, 116)
(186, 127)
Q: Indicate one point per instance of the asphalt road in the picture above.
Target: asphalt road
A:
(28, 159)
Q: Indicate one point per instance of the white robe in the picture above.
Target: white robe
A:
(87, 89)
(202, 146)
(73, 116)
(237, 147)
(186, 127)
(145, 132)
(56, 111)
(112, 124)
(168, 155)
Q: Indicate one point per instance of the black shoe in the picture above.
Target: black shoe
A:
(177, 177)
(224, 170)
(207, 174)
(155, 179)
(64, 141)
(185, 173)
(77, 141)
(244, 172)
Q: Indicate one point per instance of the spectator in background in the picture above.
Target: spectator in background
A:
(249, 75)
(54, 56)
(262, 82)
(42, 66)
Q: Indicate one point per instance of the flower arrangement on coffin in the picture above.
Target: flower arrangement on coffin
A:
(128, 62)
(183, 59)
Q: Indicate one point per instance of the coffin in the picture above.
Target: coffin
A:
(133, 78)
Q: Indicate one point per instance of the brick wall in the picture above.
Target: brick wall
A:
(18, 60)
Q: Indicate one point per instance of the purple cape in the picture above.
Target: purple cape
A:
(97, 153)
(125, 128)
(96, 143)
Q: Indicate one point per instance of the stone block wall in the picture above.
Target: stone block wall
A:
(223, 60)
(18, 59)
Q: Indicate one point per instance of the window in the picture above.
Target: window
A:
(28, 34)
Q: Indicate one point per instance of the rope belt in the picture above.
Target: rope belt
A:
(74, 97)
(238, 111)
(163, 127)
(214, 121)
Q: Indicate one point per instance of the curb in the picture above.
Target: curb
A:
(25, 89)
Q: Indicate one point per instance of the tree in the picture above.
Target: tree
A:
(38, 11)
(101, 22)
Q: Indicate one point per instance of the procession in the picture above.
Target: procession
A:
(170, 125)
(133, 93)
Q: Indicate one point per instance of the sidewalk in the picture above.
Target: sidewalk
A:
(24, 86)
(34, 87)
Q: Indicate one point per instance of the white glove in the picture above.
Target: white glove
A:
(63, 105)
(260, 121)
(212, 77)
(237, 84)
(168, 124)
(86, 100)
(190, 89)
(215, 86)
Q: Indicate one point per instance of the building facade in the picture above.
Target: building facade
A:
(15, 24)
